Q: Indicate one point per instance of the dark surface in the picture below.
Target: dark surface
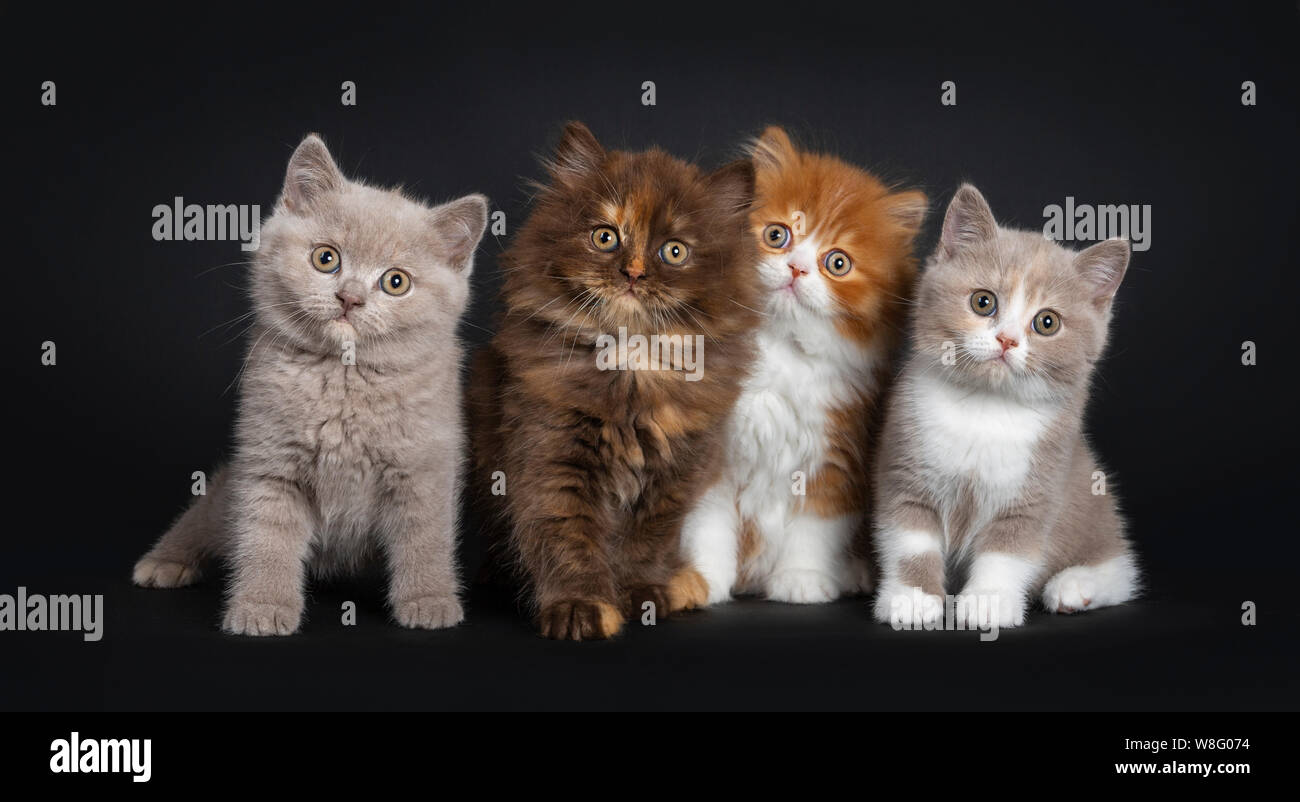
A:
(1109, 105)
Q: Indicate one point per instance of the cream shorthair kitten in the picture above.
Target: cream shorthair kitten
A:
(985, 472)
(349, 435)
(787, 517)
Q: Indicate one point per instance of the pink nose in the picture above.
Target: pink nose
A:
(796, 271)
(1007, 342)
(349, 299)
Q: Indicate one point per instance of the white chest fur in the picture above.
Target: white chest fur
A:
(976, 439)
(779, 425)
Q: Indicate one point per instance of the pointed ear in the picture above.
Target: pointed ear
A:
(968, 221)
(1103, 266)
(312, 173)
(732, 185)
(578, 153)
(457, 228)
(772, 149)
(908, 209)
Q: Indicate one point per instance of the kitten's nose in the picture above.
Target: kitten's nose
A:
(1007, 342)
(349, 299)
(796, 271)
(633, 271)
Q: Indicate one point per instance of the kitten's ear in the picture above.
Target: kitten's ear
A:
(908, 209)
(968, 221)
(1103, 266)
(312, 173)
(732, 185)
(773, 148)
(457, 228)
(578, 152)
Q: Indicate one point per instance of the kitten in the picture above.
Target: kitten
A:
(984, 464)
(602, 464)
(349, 426)
(835, 265)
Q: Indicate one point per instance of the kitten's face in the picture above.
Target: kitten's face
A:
(835, 244)
(642, 240)
(344, 262)
(1014, 311)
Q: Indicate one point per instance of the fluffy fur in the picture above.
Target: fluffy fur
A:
(809, 406)
(349, 429)
(601, 465)
(984, 466)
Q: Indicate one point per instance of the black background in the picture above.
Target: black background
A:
(1108, 104)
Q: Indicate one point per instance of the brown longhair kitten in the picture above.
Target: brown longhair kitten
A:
(604, 439)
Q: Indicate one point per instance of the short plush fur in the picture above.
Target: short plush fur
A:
(788, 516)
(349, 431)
(601, 465)
(984, 466)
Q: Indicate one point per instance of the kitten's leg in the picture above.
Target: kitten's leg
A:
(419, 522)
(911, 550)
(1100, 568)
(814, 563)
(711, 547)
(199, 533)
(271, 541)
(1007, 562)
(561, 529)
(650, 561)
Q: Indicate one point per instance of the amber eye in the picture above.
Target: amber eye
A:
(1047, 323)
(983, 302)
(776, 236)
(605, 239)
(395, 282)
(837, 263)
(674, 252)
(326, 259)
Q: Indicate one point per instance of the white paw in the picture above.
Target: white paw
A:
(979, 608)
(429, 612)
(245, 617)
(151, 572)
(1087, 587)
(798, 586)
(908, 608)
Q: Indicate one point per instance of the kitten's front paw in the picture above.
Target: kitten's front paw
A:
(909, 608)
(151, 572)
(798, 586)
(980, 609)
(580, 620)
(244, 617)
(687, 590)
(429, 612)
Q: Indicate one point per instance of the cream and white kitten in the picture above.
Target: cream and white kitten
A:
(984, 468)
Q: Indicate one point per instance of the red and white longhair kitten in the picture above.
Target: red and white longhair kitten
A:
(788, 516)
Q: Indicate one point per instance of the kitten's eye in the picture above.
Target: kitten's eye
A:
(776, 236)
(395, 282)
(1047, 323)
(983, 302)
(605, 239)
(838, 263)
(326, 259)
(674, 252)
